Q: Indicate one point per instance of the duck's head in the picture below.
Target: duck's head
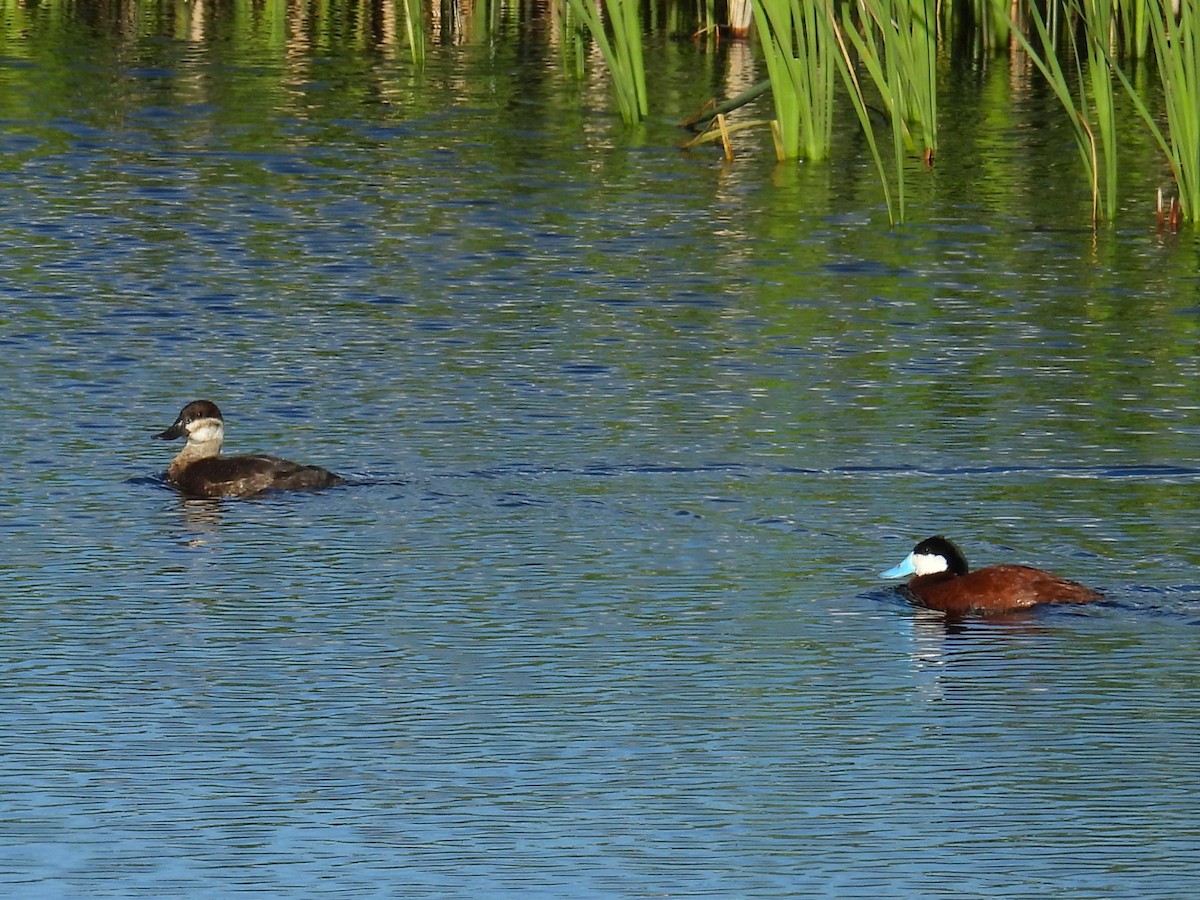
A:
(931, 556)
(200, 422)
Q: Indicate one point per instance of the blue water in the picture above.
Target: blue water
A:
(628, 434)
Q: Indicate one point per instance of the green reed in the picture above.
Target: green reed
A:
(896, 42)
(414, 29)
(858, 99)
(798, 48)
(981, 23)
(1176, 42)
(1134, 19)
(622, 51)
(1045, 55)
(1099, 21)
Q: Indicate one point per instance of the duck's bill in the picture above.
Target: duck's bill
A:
(906, 567)
(175, 431)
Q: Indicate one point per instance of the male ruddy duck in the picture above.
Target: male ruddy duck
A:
(941, 580)
(199, 471)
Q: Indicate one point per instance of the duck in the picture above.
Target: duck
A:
(941, 580)
(200, 472)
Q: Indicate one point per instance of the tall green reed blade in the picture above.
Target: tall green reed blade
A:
(1177, 48)
(1099, 29)
(989, 19)
(918, 29)
(627, 40)
(981, 24)
(1047, 61)
(1176, 42)
(622, 53)
(1134, 17)
(798, 48)
(775, 32)
(850, 77)
(895, 43)
(414, 27)
(906, 73)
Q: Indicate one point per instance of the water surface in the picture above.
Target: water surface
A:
(629, 434)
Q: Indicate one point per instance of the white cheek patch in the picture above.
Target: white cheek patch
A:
(203, 431)
(929, 563)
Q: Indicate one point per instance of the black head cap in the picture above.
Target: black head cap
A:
(197, 409)
(956, 562)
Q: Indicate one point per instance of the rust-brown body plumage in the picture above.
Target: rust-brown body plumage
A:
(941, 580)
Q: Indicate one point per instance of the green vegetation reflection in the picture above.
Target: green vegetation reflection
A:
(1119, 68)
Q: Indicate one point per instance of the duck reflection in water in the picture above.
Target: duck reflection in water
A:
(199, 471)
(942, 580)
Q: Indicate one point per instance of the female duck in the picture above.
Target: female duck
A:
(200, 471)
(941, 580)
